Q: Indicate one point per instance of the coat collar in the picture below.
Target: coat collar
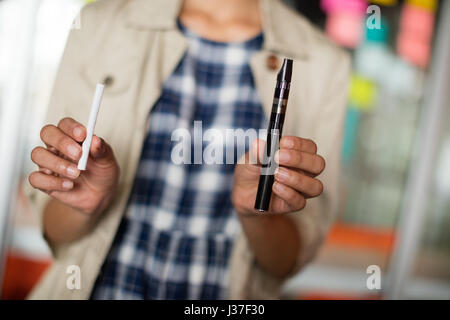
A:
(279, 37)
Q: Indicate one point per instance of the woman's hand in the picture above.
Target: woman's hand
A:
(88, 191)
(295, 178)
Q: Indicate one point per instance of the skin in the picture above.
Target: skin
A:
(80, 198)
(237, 20)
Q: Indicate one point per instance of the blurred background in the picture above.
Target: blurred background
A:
(395, 194)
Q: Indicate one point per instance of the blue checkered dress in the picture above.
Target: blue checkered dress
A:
(176, 236)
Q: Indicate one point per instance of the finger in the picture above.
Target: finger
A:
(48, 183)
(255, 154)
(45, 170)
(304, 184)
(312, 163)
(259, 152)
(73, 129)
(46, 159)
(98, 147)
(297, 143)
(294, 199)
(54, 137)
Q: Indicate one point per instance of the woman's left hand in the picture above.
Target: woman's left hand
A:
(295, 178)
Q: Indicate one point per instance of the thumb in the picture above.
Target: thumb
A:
(256, 153)
(100, 150)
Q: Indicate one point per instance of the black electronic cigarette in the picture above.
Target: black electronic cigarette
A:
(280, 100)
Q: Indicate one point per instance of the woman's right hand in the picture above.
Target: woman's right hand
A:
(89, 191)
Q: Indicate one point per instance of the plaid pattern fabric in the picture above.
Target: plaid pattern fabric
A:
(176, 236)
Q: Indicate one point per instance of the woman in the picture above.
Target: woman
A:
(137, 224)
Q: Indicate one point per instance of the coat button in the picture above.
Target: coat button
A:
(272, 62)
(108, 81)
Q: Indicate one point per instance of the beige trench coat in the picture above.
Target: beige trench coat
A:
(137, 45)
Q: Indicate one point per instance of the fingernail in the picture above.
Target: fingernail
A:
(78, 132)
(67, 184)
(73, 151)
(283, 156)
(287, 143)
(72, 171)
(101, 145)
(282, 174)
(278, 187)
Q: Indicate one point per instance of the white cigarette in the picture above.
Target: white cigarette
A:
(91, 125)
